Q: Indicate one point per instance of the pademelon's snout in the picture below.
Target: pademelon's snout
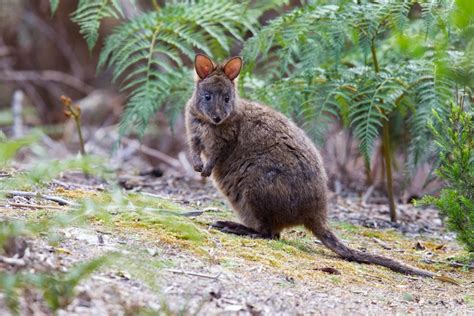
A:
(216, 118)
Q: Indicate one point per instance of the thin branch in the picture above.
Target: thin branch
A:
(367, 195)
(56, 38)
(36, 206)
(46, 75)
(214, 277)
(13, 261)
(17, 110)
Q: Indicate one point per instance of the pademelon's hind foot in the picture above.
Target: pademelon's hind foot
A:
(230, 227)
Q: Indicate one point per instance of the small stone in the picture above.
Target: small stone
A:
(152, 251)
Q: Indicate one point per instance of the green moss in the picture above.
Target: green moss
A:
(299, 244)
(346, 227)
(469, 299)
(179, 227)
(335, 279)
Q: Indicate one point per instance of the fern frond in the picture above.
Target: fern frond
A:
(89, 14)
(290, 33)
(431, 93)
(370, 106)
(166, 90)
(398, 14)
(309, 99)
(436, 14)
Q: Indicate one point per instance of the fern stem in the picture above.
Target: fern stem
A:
(77, 120)
(386, 146)
(156, 6)
(388, 170)
(368, 176)
(374, 56)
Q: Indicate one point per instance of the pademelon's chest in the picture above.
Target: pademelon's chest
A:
(220, 141)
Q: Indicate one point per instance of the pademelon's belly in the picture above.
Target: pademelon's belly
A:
(264, 182)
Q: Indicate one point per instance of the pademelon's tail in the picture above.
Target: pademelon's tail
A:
(331, 241)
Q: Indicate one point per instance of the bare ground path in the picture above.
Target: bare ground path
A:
(173, 265)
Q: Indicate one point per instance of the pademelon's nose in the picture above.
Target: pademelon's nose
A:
(216, 119)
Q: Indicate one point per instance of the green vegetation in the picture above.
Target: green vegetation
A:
(56, 288)
(456, 201)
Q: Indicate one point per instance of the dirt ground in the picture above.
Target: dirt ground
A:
(169, 268)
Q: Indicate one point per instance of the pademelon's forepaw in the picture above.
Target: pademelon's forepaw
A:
(206, 172)
(198, 166)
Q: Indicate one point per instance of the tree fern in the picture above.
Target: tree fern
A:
(321, 36)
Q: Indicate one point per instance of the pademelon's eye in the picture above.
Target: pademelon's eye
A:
(226, 98)
(207, 96)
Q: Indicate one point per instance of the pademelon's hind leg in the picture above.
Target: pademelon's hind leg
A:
(242, 230)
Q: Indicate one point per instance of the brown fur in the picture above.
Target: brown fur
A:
(269, 170)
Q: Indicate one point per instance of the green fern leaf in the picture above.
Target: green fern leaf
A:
(90, 13)
(431, 93)
(370, 106)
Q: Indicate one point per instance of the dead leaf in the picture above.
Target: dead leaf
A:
(215, 294)
(447, 279)
(63, 250)
(419, 246)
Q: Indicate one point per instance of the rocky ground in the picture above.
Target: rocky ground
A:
(177, 265)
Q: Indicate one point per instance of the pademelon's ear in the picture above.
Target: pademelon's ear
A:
(232, 67)
(204, 65)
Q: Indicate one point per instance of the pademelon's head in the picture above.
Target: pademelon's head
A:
(215, 96)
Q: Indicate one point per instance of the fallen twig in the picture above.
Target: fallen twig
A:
(175, 163)
(68, 185)
(191, 213)
(46, 75)
(381, 243)
(57, 199)
(367, 195)
(450, 263)
(214, 277)
(38, 206)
